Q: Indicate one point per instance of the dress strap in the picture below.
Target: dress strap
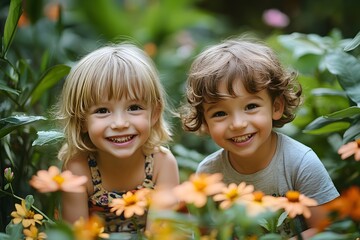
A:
(149, 168)
(95, 173)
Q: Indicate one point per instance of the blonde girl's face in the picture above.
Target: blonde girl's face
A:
(119, 128)
(243, 124)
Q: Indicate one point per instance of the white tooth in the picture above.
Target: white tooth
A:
(120, 140)
(242, 138)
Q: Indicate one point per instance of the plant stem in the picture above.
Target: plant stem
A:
(19, 198)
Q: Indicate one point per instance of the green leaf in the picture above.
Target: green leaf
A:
(354, 43)
(49, 79)
(14, 230)
(347, 68)
(281, 219)
(7, 89)
(302, 44)
(327, 92)
(9, 124)
(323, 125)
(4, 236)
(29, 201)
(15, 11)
(47, 137)
(344, 113)
(352, 132)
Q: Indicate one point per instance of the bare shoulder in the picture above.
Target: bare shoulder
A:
(164, 156)
(165, 167)
(78, 165)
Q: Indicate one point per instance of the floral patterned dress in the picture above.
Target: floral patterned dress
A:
(98, 202)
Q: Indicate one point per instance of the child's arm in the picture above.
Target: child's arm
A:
(166, 170)
(75, 205)
(318, 215)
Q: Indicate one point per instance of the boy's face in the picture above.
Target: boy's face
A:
(243, 124)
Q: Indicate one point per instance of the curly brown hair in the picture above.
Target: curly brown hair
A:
(248, 60)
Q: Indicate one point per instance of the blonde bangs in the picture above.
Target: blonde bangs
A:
(115, 78)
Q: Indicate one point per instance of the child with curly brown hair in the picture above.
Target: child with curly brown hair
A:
(237, 93)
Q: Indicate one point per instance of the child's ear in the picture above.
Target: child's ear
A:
(204, 128)
(278, 108)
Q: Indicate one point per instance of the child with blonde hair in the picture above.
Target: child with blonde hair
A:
(112, 112)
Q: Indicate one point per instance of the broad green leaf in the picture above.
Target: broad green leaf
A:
(7, 89)
(47, 137)
(344, 113)
(354, 43)
(15, 11)
(9, 124)
(49, 79)
(327, 92)
(352, 132)
(301, 44)
(14, 230)
(322, 125)
(347, 68)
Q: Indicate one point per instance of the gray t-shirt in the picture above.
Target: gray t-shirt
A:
(294, 166)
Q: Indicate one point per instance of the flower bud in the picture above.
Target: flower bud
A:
(8, 174)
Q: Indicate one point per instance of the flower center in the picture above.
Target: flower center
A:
(232, 194)
(29, 214)
(258, 195)
(130, 200)
(199, 184)
(58, 179)
(293, 196)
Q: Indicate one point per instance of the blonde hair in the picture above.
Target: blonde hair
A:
(114, 71)
(238, 59)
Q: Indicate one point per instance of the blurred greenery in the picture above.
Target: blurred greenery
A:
(41, 40)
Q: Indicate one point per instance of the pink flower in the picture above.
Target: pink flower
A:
(275, 18)
(53, 180)
(349, 149)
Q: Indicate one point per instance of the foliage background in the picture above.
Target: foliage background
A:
(52, 35)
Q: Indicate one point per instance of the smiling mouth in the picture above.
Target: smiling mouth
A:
(243, 138)
(121, 139)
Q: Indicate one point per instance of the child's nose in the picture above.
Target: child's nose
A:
(120, 122)
(238, 122)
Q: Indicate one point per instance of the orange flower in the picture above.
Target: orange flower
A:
(23, 20)
(150, 48)
(53, 180)
(263, 203)
(34, 234)
(234, 193)
(349, 149)
(52, 11)
(163, 199)
(348, 204)
(164, 230)
(25, 216)
(198, 188)
(297, 204)
(90, 229)
(131, 203)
